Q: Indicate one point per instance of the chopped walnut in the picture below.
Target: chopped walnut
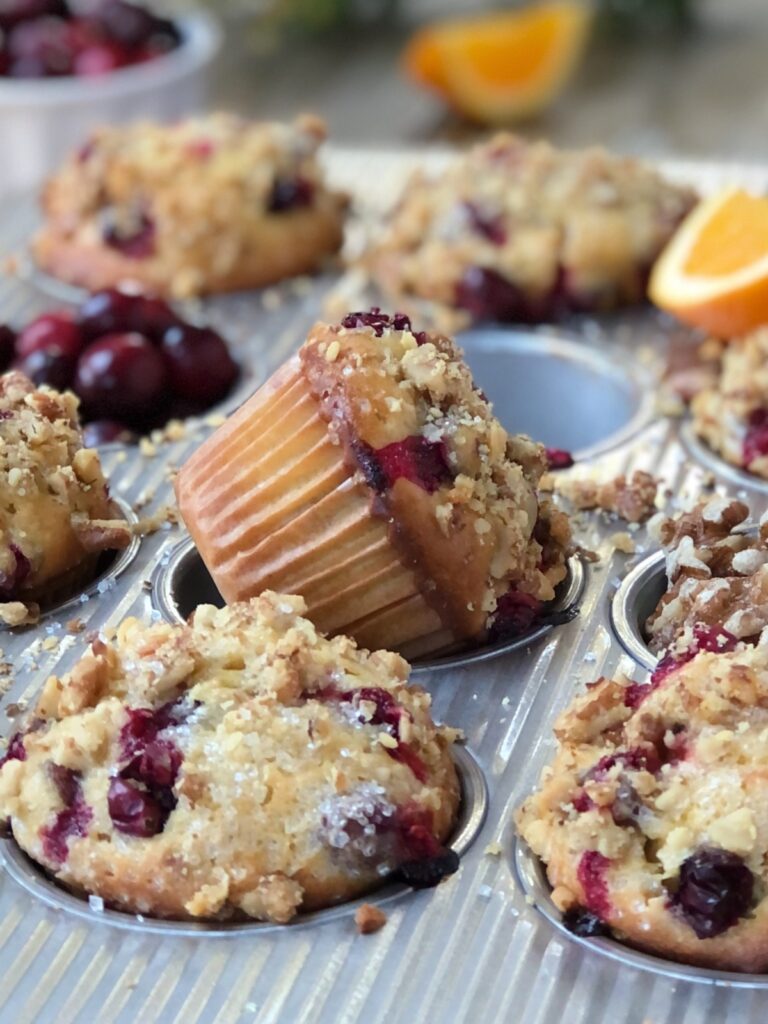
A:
(369, 918)
(633, 500)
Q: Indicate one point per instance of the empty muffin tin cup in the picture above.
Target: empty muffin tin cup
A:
(710, 460)
(564, 393)
(111, 564)
(472, 812)
(532, 879)
(181, 582)
(637, 596)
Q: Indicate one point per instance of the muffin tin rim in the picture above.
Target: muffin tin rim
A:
(473, 811)
(623, 607)
(530, 876)
(708, 458)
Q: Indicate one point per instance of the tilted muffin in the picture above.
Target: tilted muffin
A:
(522, 232)
(370, 476)
(732, 416)
(210, 204)
(653, 817)
(56, 515)
(240, 765)
(717, 576)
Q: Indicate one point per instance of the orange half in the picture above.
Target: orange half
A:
(714, 272)
(501, 67)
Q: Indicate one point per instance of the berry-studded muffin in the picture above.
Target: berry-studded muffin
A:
(370, 476)
(717, 576)
(732, 416)
(652, 821)
(239, 766)
(56, 516)
(522, 232)
(211, 204)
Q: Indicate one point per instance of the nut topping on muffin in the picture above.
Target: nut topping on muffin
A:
(242, 765)
(209, 204)
(651, 818)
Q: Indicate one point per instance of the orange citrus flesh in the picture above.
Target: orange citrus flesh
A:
(500, 67)
(714, 272)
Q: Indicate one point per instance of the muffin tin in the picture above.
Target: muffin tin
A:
(487, 943)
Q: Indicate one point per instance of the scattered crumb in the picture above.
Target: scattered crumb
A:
(75, 626)
(670, 405)
(484, 892)
(96, 903)
(174, 430)
(163, 519)
(271, 299)
(14, 710)
(146, 447)
(369, 918)
(215, 420)
(547, 483)
(587, 554)
(632, 499)
(622, 542)
(50, 643)
(11, 265)
(16, 613)
(493, 849)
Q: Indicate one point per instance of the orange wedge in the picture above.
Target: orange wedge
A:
(499, 68)
(714, 272)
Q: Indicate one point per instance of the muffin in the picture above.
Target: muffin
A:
(521, 232)
(370, 476)
(652, 820)
(239, 766)
(56, 516)
(717, 576)
(211, 204)
(732, 415)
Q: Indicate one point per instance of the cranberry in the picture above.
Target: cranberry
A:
(98, 59)
(136, 242)
(134, 810)
(425, 874)
(381, 322)
(491, 228)
(715, 890)
(51, 330)
(72, 820)
(755, 444)
(199, 364)
(157, 765)
(405, 754)
(705, 638)
(516, 613)
(558, 458)
(414, 827)
(289, 194)
(121, 375)
(152, 317)
(40, 48)
(14, 11)
(126, 23)
(369, 465)
(636, 759)
(112, 311)
(143, 724)
(416, 459)
(101, 432)
(7, 346)
(486, 295)
(627, 804)
(15, 750)
(584, 924)
(11, 581)
(591, 874)
(582, 802)
(48, 366)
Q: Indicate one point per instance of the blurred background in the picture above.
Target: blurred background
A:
(655, 77)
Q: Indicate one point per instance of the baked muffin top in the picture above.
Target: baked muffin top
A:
(717, 575)
(459, 491)
(652, 817)
(567, 230)
(157, 192)
(239, 765)
(55, 508)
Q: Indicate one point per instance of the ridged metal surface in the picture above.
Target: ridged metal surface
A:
(473, 949)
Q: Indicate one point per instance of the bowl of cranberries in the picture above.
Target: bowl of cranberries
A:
(131, 359)
(67, 66)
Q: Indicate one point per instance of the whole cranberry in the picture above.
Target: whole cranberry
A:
(106, 312)
(199, 364)
(99, 59)
(715, 890)
(128, 24)
(7, 346)
(48, 366)
(105, 431)
(51, 330)
(133, 810)
(14, 11)
(40, 48)
(153, 317)
(121, 375)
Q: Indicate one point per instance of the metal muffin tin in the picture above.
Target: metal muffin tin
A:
(476, 948)
(639, 593)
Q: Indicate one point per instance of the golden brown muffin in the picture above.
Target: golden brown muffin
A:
(370, 476)
(732, 415)
(522, 232)
(211, 204)
(240, 765)
(56, 515)
(717, 575)
(653, 817)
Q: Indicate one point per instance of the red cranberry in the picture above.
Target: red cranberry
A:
(405, 754)
(583, 923)
(72, 820)
(558, 458)
(636, 759)
(133, 26)
(199, 364)
(136, 242)
(15, 750)
(416, 459)
(133, 810)
(49, 366)
(289, 194)
(121, 375)
(755, 444)
(715, 890)
(591, 874)
(101, 432)
(486, 295)
(582, 802)
(106, 312)
(7, 346)
(40, 48)
(515, 614)
(157, 765)
(705, 638)
(11, 581)
(491, 228)
(381, 322)
(425, 874)
(14, 11)
(51, 330)
(98, 59)
(414, 825)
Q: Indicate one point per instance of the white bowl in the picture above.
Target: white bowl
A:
(42, 120)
